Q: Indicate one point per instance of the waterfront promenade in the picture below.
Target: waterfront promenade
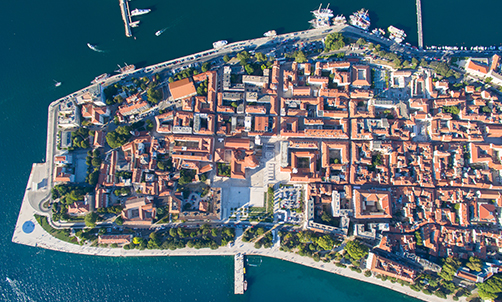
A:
(40, 238)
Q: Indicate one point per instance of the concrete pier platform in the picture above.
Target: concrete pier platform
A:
(240, 284)
(126, 17)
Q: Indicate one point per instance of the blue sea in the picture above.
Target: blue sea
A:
(45, 41)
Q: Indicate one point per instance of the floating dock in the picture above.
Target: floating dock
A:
(240, 284)
(126, 17)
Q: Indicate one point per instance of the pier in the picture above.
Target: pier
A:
(419, 25)
(126, 17)
(240, 284)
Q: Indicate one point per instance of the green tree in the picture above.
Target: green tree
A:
(449, 269)
(326, 242)
(119, 220)
(205, 66)
(249, 69)
(137, 240)
(491, 288)
(226, 58)
(90, 219)
(260, 57)
(154, 95)
(454, 110)
(334, 41)
(361, 41)
(356, 250)
(414, 63)
(96, 161)
(474, 264)
(300, 57)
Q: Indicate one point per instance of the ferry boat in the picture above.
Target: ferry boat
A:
(100, 78)
(396, 34)
(160, 32)
(270, 33)
(360, 19)
(126, 68)
(322, 17)
(139, 11)
(220, 44)
(340, 19)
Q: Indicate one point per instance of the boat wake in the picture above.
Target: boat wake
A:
(21, 296)
(94, 48)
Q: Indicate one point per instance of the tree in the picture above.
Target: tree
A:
(153, 95)
(361, 41)
(119, 220)
(300, 57)
(451, 109)
(137, 240)
(449, 269)
(334, 41)
(356, 250)
(96, 161)
(226, 58)
(474, 264)
(90, 219)
(486, 109)
(414, 63)
(260, 57)
(491, 288)
(326, 242)
(249, 69)
(205, 66)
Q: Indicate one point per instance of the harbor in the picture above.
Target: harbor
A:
(240, 283)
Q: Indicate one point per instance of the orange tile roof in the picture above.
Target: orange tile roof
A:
(182, 89)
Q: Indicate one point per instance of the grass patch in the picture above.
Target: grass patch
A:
(59, 234)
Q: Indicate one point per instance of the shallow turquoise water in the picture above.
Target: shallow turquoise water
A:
(46, 40)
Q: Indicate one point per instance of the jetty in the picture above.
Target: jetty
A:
(240, 284)
(126, 17)
(419, 25)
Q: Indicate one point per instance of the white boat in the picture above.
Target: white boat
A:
(139, 11)
(220, 44)
(378, 32)
(135, 23)
(270, 33)
(322, 17)
(56, 83)
(93, 47)
(126, 68)
(100, 78)
(397, 34)
(340, 19)
(360, 19)
(160, 32)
